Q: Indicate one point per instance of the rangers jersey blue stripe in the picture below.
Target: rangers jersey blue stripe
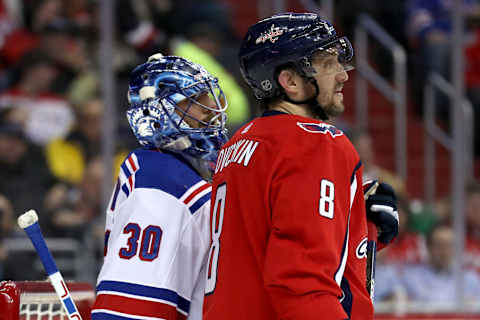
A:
(145, 291)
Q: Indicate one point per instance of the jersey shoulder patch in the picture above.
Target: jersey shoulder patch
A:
(324, 128)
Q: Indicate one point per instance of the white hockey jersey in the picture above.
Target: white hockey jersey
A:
(156, 241)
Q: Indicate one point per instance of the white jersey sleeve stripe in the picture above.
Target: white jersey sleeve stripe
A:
(132, 164)
(103, 314)
(135, 164)
(343, 262)
(199, 195)
(129, 166)
(122, 176)
(132, 296)
(192, 189)
(136, 307)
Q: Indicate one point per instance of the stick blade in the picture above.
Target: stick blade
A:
(27, 219)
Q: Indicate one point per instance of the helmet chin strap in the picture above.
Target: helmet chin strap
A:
(311, 102)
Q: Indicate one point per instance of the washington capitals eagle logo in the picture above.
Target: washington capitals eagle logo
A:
(320, 128)
(272, 34)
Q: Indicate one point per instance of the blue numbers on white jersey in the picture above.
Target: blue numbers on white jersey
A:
(132, 242)
(150, 242)
(217, 223)
(327, 197)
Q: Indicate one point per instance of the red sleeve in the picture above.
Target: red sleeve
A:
(306, 245)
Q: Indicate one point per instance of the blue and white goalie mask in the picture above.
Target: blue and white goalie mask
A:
(177, 106)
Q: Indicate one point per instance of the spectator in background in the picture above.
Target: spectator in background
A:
(57, 29)
(196, 30)
(429, 27)
(362, 141)
(409, 247)
(67, 158)
(442, 209)
(196, 50)
(24, 176)
(207, 31)
(388, 283)
(20, 38)
(72, 207)
(434, 281)
(79, 12)
(45, 115)
(6, 227)
(62, 42)
(7, 222)
(8, 23)
(472, 218)
(24, 182)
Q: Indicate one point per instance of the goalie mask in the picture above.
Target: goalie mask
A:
(287, 39)
(163, 94)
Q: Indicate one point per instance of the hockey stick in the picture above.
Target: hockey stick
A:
(29, 222)
(371, 257)
(371, 248)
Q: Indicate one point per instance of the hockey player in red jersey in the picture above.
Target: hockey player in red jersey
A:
(288, 217)
(157, 224)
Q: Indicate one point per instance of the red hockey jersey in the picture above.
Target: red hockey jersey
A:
(289, 229)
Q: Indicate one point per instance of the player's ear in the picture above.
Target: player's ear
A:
(289, 81)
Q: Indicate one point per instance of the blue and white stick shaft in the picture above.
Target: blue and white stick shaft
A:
(29, 222)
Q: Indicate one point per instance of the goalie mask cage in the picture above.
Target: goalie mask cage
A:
(37, 300)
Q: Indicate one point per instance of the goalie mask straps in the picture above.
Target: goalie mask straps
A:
(311, 102)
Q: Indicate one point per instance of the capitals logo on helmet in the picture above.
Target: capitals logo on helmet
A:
(156, 88)
(287, 39)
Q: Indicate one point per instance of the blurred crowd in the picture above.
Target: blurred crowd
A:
(52, 113)
(52, 108)
(418, 267)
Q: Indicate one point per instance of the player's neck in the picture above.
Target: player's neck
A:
(291, 108)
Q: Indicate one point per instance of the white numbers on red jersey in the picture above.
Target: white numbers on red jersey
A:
(217, 222)
(150, 242)
(327, 197)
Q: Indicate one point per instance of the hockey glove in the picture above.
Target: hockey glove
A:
(381, 205)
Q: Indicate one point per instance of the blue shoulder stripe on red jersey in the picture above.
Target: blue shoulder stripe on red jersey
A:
(359, 164)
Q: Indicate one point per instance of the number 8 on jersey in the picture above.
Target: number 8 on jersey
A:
(217, 222)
